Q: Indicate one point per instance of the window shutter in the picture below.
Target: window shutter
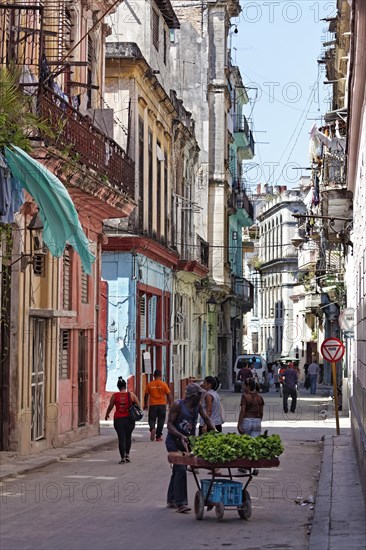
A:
(64, 354)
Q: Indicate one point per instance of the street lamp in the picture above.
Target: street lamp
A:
(211, 304)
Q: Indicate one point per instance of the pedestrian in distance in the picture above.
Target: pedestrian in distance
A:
(157, 395)
(124, 426)
(313, 371)
(244, 373)
(275, 370)
(289, 382)
(211, 404)
(182, 422)
(251, 410)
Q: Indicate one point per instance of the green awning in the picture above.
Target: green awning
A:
(61, 223)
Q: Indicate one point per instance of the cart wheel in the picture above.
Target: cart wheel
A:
(245, 510)
(219, 510)
(199, 505)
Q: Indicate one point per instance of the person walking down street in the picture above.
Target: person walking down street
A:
(244, 373)
(275, 370)
(313, 371)
(211, 404)
(157, 394)
(124, 426)
(182, 420)
(289, 383)
(251, 410)
(270, 374)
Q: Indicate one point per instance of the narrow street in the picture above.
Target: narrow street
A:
(92, 502)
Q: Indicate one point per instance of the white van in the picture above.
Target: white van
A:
(260, 366)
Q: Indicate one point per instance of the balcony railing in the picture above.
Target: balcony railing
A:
(241, 124)
(312, 302)
(239, 200)
(86, 143)
(243, 289)
(243, 136)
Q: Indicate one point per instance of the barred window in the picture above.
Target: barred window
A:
(66, 279)
(64, 356)
(155, 29)
(84, 287)
(39, 264)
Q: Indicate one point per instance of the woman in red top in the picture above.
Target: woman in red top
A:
(123, 424)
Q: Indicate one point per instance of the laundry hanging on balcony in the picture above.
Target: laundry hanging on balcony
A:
(61, 223)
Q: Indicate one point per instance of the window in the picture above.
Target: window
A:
(151, 182)
(64, 356)
(155, 29)
(90, 71)
(166, 214)
(39, 264)
(66, 279)
(158, 191)
(84, 287)
(165, 47)
(141, 173)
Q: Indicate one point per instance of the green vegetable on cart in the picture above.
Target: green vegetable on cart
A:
(220, 448)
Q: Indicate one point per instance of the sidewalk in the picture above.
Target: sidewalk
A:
(339, 514)
(12, 464)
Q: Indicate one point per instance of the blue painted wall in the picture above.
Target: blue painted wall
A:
(122, 271)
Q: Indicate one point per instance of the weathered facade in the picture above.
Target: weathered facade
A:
(209, 87)
(356, 264)
(50, 315)
(159, 242)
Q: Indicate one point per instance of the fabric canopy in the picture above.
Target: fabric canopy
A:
(61, 223)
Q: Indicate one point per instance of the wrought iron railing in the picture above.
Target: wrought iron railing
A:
(239, 199)
(88, 145)
(243, 289)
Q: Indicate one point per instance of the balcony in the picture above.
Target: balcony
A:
(308, 256)
(194, 258)
(88, 145)
(312, 302)
(238, 201)
(243, 137)
(243, 291)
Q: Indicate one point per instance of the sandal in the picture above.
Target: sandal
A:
(183, 509)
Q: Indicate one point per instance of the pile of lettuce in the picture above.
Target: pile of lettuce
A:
(219, 447)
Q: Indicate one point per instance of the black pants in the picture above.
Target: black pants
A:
(287, 392)
(124, 428)
(177, 490)
(157, 413)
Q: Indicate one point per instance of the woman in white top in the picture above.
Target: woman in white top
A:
(211, 404)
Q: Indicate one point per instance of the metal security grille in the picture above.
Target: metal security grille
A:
(84, 287)
(83, 378)
(64, 356)
(21, 37)
(155, 29)
(39, 264)
(38, 378)
(143, 330)
(66, 279)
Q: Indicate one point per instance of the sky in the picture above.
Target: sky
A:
(276, 48)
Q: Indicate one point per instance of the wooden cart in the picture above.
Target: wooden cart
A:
(220, 491)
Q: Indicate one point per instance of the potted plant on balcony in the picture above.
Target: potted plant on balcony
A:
(255, 263)
(17, 122)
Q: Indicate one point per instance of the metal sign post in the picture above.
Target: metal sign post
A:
(333, 350)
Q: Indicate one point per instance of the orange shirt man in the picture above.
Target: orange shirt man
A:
(157, 393)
